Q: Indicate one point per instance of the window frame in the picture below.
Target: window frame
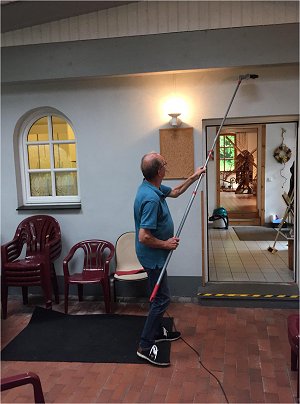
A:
(44, 201)
(224, 159)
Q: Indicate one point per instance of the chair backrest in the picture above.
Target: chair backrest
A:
(126, 259)
(38, 230)
(96, 253)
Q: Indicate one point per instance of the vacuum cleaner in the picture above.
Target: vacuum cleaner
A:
(220, 218)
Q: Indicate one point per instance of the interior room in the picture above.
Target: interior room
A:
(252, 186)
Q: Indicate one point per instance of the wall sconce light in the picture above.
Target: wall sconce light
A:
(175, 122)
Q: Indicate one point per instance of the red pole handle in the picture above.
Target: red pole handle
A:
(153, 294)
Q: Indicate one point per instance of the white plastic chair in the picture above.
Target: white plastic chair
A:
(128, 267)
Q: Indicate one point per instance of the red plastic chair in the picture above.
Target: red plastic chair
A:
(42, 237)
(97, 256)
(22, 379)
(293, 335)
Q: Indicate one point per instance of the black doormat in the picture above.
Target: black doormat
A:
(52, 336)
(257, 233)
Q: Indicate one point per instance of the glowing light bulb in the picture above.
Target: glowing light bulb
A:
(175, 105)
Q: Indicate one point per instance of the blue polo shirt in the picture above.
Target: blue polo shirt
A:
(151, 212)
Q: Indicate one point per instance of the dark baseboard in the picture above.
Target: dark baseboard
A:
(180, 286)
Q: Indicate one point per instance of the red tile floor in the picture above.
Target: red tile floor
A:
(247, 349)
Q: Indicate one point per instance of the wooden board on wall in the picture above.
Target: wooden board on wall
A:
(177, 147)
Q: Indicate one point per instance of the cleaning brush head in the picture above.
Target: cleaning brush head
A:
(248, 76)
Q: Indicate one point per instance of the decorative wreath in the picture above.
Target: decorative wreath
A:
(282, 154)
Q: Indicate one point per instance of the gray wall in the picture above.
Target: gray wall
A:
(243, 46)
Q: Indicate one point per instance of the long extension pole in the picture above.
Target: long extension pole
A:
(156, 287)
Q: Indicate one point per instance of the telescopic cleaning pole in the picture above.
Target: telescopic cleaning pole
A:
(156, 287)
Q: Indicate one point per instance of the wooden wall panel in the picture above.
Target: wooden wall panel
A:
(177, 147)
(153, 17)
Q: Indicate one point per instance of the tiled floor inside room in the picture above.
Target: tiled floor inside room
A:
(249, 261)
(247, 349)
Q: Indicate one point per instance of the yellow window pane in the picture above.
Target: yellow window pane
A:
(40, 184)
(38, 156)
(65, 156)
(39, 131)
(61, 129)
(66, 184)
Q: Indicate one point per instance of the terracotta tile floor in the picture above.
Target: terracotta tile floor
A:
(245, 348)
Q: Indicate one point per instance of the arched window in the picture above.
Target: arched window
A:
(48, 157)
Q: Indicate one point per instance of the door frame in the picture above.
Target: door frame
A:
(262, 120)
(261, 157)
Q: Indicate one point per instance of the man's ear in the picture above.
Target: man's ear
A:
(160, 173)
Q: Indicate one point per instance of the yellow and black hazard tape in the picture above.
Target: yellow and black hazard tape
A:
(248, 295)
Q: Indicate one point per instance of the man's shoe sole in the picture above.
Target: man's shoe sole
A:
(153, 362)
(167, 339)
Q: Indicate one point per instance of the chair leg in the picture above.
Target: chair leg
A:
(48, 297)
(23, 379)
(295, 366)
(106, 295)
(55, 285)
(25, 294)
(49, 304)
(4, 293)
(46, 283)
(113, 288)
(112, 294)
(298, 383)
(294, 360)
(80, 292)
(66, 297)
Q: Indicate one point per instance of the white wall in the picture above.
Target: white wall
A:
(116, 121)
(276, 184)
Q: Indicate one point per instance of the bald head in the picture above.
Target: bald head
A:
(150, 164)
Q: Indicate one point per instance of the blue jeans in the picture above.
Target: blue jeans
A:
(153, 324)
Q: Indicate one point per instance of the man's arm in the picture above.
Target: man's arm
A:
(180, 189)
(147, 238)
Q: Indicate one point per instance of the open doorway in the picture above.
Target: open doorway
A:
(252, 192)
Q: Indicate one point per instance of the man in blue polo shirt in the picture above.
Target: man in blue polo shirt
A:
(154, 239)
